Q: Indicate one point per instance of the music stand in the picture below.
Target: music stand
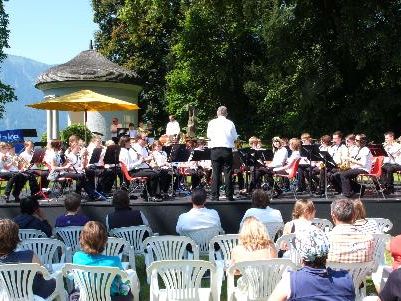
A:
(311, 152)
(95, 156)
(201, 155)
(328, 160)
(179, 153)
(377, 150)
(264, 155)
(122, 132)
(112, 157)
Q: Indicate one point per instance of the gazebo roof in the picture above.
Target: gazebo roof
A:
(89, 65)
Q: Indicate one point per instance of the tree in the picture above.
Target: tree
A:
(6, 92)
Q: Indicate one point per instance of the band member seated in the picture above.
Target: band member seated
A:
(320, 168)
(295, 145)
(73, 167)
(359, 163)
(199, 170)
(392, 162)
(137, 166)
(305, 166)
(160, 163)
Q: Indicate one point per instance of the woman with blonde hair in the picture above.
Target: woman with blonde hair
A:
(254, 242)
(302, 215)
(364, 225)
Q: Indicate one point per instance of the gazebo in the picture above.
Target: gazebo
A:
(90, 70)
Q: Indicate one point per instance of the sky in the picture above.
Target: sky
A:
(49, 31)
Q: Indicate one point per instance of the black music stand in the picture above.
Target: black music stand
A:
(377, 150)
(328, 161)
(201, 155)
(112, 157)
(312, 153)
(95, 156)
(179, 153)
(264, 155)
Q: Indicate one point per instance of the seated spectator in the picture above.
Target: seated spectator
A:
(254, 242)
(261, 209)
(361, 223)
(199, 217)
(93, 240)
(123, 215)
(392, 289)
(32, 217)
(347, 243)
(8, 254)
(302, 215)
(395, 251)
(313, 281)
(72, 217)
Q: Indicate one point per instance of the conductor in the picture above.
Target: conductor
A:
(222, 134)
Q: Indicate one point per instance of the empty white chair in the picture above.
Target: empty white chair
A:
(288, 240)
(202, 238)
(258, 278)
(226, 243)
(70, 236)
(322, 223)
(16, 282)
(182, 280)
(384, 224)
(118, 247)
(30, 233)
(94, 283)
(50, 251)
(133, 235)
(379, 249)
(273, 228)
(358, 272)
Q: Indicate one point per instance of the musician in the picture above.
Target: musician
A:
(173, 127)
(360, 163)
(132, 132)
(160, 163)
(222, 134)
(392, 162)
(95, 169)
(255, 143)
(304, 168)
(136, 164)
(26, 156)
(199, 169)
(114, 126)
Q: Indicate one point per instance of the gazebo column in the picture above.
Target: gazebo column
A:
(54, 124)
(49, 123)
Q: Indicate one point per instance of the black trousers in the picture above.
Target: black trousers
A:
(222, 161)
(348, 182)
(15, 183)
(258, 173)
(153, 184)
(387, 175)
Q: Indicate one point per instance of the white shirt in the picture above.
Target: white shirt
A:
(140, 150)
(267, 215)
(221, 132)
(160, 158)
(393, 153)
(130, 158)
(279, 158)
(113, 129)
(173, 128)
(197, 218)
(365, 159)
(337, 152)
(290, 161)
(133, 133)
(76, 162)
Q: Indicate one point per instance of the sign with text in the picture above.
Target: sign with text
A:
(11, 136)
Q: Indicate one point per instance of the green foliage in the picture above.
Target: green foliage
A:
(6, 92)
(76, 129)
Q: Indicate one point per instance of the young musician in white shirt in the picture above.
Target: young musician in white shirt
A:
(392, 163)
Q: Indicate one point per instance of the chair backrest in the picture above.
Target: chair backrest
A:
(384, 224)
(294, 169)
(289, 241)
(48, 250)
(358, 272)
(125, 172)
(377, 164)
(181, 278)
(118, 247)
(94, 283)
(169, 247)
(202, 238)
(273, 228)
(30, 233)
(226, 243)
(134, 235)
(323, 224)
(379, 249)
(260, 276)
(70, 236)
(16, 281)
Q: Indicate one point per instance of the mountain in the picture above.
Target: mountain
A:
(21, 73)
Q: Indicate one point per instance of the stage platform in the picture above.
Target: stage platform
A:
(163, 216)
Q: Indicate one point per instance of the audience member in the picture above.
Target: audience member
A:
(8, 254)
(314, 281)
(123, 215)
(32, 217)
(302, 215)
(261, 209)
(395, 251)
(73, 216)
(347, 243)
(254, 242)
(199, 217)
(361, 223)
(392, 289)
(93, 240)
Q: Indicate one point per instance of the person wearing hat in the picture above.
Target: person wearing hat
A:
(314, 281)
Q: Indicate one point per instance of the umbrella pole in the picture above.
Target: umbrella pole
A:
(85, 118)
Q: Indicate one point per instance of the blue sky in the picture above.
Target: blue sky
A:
(49, 31)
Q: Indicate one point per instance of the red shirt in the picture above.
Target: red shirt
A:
(395, 250)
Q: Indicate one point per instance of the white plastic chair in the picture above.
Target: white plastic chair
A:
(202, 238)
(182, 280)
(94, 283)
(134, 236)
(379, 249)
(70, 236)
(259, 278)
(226, 242)
(30, 233)
(273, 228)
(118, 247)
(358, 272)
(384, 224)
(16, 282)
(322, 223)
(289, 241)
(49, 251)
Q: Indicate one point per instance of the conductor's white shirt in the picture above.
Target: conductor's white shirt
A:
(173, 128)
(221, 132)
